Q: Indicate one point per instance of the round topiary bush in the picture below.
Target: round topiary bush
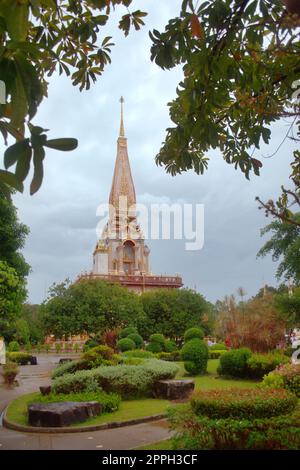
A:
(158, 338)
(129, 330)
(137, 339)
(170, 346)
(14, 346)
(126, 344)
(192, 333)
(195, 355)
(154, 347)
(234, 362)
(242, 403)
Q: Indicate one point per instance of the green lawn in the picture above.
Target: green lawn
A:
(129, 409)
(132, 409)
(161, 445)
(212, 379)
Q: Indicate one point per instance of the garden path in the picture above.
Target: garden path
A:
(30, 378)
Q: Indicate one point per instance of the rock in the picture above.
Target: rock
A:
(174, 389)
(62, 414)
(33, 361)
(65, 359)
(45, 389)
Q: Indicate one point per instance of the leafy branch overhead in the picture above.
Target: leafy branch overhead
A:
(37, 39)
(240, 60)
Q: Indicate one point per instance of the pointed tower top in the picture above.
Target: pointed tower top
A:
(122, 184)
(122, 133)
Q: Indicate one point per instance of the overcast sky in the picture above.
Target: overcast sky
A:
(62, 215)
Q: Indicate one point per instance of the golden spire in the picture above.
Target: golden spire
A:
(122, 133)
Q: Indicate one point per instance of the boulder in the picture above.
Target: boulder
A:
(45, 389)
(174, 389)
(62, 414)
(33, 361)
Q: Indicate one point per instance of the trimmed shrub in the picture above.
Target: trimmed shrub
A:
(215, 354)
(154, 348)
(13, 346)
(234, 362)
(102, 351)
(126, 344)
(21, 358)
(133, 361)
(66, 368)
(110, 401)
(200, 432)
(286, 376)
(169, 356)
(139, 353)
(137, 339)
(158, 338)
(261, 364)
(195, 355)
(130, 330)
(218, 347)
(170, 346)
(90, 343)
(192, 333)
(10, 372)
(243, 403)
(129, 381)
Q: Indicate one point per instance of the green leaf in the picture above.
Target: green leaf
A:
(62, 144)
(16, 14)
(38, 157)
(14, 152)
(23, 164)
(10, 179)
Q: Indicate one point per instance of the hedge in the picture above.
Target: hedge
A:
(286, 376)
(127, 380)
(261, 364)
(215, 354)
(243, 403)
(194, 432)
(21, 358)
(234, 363)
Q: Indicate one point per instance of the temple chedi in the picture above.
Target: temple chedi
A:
(121, 254)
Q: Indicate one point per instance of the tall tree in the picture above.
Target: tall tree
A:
(90, 306)
(12, 295)
(172, 311)
(12, 238)
(284, 245)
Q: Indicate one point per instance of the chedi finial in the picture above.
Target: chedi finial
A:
(122, 132)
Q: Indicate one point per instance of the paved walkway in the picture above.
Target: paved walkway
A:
(30, 378)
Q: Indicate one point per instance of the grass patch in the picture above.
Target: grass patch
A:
(160, 445)
(132, 409)
(212, 380)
